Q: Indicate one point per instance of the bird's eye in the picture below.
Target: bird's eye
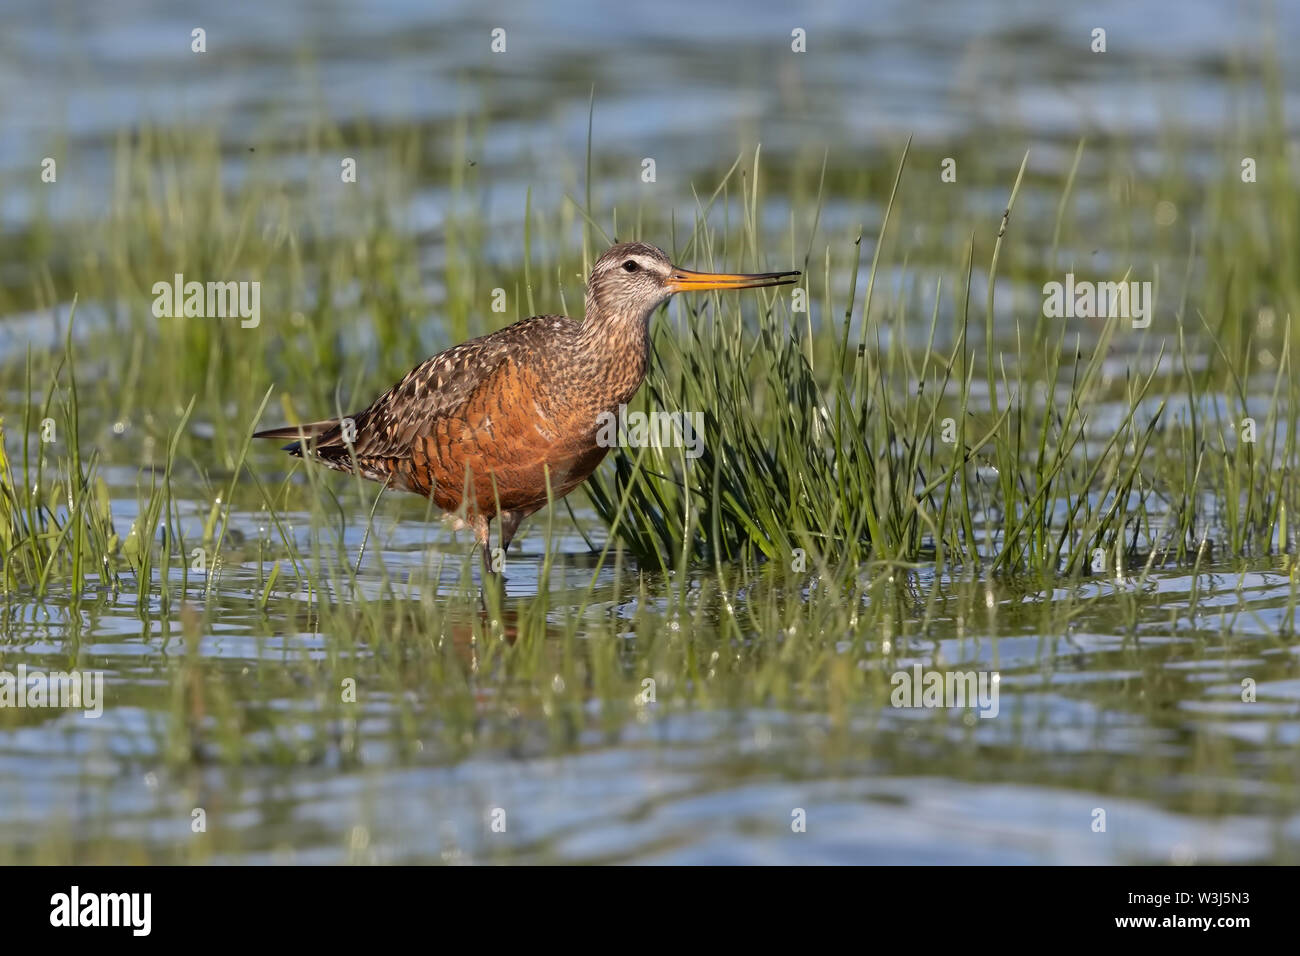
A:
(630, 266)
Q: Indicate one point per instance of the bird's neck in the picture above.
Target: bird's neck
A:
(617, 344)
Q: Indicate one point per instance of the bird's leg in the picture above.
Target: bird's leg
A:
(509, 524)
(482, 525)
(491, 578)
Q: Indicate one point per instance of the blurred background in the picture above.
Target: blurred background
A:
(692, 85)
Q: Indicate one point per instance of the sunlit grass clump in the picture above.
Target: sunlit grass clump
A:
(55, 516)
(1016, 447)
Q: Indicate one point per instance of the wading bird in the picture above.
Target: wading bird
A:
(497, 426)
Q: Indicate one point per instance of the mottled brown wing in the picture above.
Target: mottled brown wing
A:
(394, 437)
(431, 390)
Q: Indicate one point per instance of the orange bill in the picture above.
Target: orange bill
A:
(684, 280)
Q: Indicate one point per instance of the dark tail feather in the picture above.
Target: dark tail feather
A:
(298, 432)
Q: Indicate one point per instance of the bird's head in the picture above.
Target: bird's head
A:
(632, 279)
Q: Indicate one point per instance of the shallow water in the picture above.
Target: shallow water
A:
(1137, 712)
(1114, 695)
